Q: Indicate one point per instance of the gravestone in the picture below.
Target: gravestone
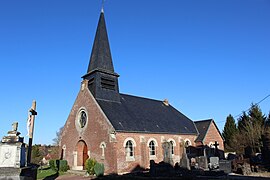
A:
(226, 166)
(214, 163)
(202, 162)
(167, 153)
(193, 162)
(184, 161)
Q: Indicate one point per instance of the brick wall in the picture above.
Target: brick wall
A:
(141, 149)
(213, 135)
(96, 131)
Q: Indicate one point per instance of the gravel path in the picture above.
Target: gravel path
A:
(70, 177)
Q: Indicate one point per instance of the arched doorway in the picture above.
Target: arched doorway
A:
(82, 154)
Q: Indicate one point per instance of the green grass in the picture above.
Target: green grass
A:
(48, 172)
(45, 173)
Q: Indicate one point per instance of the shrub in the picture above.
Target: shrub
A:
(89, 166)
(63, 165)
(52, 164)
(99, 169)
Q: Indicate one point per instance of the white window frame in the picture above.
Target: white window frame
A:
(64, 147)
(103, 147)
(133, 143)
(189, 144)
(155, 148)
(173, 145)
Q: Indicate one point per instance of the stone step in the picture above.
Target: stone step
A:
(77, 172)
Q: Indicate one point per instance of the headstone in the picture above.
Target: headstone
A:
(184, 161)
(192, 161)
(214, 163)
(202, 162)
(167, 153)
(226, 166)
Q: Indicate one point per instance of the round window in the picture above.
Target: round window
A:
(81, 119)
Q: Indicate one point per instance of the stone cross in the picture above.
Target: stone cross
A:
(204, 151)
(31, 130)
(216, 144)
(216, 148)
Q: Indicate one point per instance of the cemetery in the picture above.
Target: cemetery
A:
(200, 162)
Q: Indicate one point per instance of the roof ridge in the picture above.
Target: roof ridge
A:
(141, 97)
(203, 120)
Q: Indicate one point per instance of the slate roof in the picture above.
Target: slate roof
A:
(202, 127)
(137, 114)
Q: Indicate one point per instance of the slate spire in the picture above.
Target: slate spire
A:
(101, 58)
(102, 80)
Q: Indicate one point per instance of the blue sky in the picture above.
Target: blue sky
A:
(209, 58)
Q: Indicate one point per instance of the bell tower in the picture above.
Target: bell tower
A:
(102, 80)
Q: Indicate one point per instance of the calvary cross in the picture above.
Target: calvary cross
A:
(31, 130)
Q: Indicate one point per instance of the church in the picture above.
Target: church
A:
(123, 131)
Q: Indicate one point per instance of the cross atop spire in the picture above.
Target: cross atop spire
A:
(102, 6)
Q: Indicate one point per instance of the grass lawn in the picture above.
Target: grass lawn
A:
(48, 172)
(45, 173)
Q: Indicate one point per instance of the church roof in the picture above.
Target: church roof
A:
(137, 114)
(202, 127)
(101, 58)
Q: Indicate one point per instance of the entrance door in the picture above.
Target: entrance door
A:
(82, 155)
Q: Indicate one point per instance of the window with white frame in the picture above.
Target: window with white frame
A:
(102, 146)
(129, 149)
(172, 147)
(152, 148)
(187, 144)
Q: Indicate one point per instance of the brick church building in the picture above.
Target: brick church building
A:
(122, 131)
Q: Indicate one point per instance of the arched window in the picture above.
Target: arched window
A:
(187, 144)
(102, 146)
(129, 149)
(152, 148)
(172, 148)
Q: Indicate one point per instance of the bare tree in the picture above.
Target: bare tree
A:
(57, 139)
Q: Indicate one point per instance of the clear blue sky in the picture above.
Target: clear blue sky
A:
(209, 58)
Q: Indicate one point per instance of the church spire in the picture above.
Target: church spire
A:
(101, 58)
(102, 80)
